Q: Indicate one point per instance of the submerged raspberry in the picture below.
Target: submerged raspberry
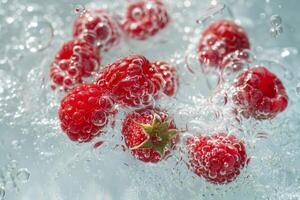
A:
(259, 94)
(84, 112)
(217, 158)
(97, 27)
(220, 39)
(75, 60)
(150, 134)
(145, 18)
(131, 81)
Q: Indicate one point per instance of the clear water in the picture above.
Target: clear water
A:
(39, 162)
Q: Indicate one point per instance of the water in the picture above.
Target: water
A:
(39, 162)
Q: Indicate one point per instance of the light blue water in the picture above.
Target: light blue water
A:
(39, 162)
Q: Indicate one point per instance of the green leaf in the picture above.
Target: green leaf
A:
(147, 128)
(147, 144)
(172, 133)
(156, 121)
(160, 149)
(163, 128)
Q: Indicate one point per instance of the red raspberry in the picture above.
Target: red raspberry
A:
(169, 75)
(220, 39)
(76, 59)
(145, 18)
(132, 81)
(259, 94)
(97, 27)
(217, 158)
(84, 112)
(149, 134)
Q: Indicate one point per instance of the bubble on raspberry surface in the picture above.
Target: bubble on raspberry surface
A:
(99, 118)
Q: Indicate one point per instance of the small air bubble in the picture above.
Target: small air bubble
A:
(137, 13)
(10, 20)
(187, 29)
(187, 3)
(298, 89)
(275, 20)
(285, 53)
(23, 175)
(262, 15)
(276, 31)
(80, 10)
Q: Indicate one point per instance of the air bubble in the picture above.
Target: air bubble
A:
(9, 20)
(276, 23)
(275, 32)
(187, 3)
(38, 35)
(137, 13)
(2, 192)
(262, 15)
(211, 12)
(23, 175)
(285, 53)
(99, 118)
(298, 89)
(80, 10)
(275, 20)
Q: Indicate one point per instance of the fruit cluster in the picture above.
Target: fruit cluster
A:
(149, 132)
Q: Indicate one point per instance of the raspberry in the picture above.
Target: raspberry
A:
(145, 18)
(217, 158)
(131, 81)
(76, 59)
(169, 75)
(149, 134)
(97, 27)
(220, 39)
(84, 112)
(259, 94)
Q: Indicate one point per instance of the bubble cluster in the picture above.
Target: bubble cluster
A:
(11, 177)
(276, 23)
